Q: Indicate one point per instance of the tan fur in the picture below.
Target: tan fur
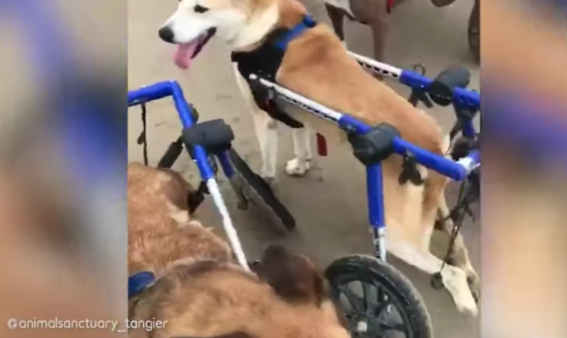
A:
(156, 197)
(349, 89)
(155, 238)
(199, 292)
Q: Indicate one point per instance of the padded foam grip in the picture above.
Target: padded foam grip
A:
(441, 89)
(375, 145)
(213, 135)
(171, 155)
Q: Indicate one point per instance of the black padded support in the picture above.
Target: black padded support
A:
(441, 89)
(374, 146)
(215, 135)
(172, 153)
(265, 62)
(265, 98)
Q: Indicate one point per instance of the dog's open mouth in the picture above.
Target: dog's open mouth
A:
(186, 52)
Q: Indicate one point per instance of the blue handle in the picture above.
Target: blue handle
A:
(430, 160)
(160, 90)
(461, 96)
(438, 163)
(171, 88)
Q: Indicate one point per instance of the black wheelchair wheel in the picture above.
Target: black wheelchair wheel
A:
(250, 187)
(377, 300)
(474, 31)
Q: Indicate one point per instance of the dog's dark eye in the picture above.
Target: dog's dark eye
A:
(200, 9)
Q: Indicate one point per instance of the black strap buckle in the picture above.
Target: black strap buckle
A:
(419, 94)
(266, 98)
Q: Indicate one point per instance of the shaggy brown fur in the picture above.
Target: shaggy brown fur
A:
(157, 198)
(161, 230)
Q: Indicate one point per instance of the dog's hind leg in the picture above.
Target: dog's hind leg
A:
(301, 164)
(267, 134)
(458, 256)
(454, 279)
(337, 18)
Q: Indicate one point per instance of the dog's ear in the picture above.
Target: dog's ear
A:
(293, 276)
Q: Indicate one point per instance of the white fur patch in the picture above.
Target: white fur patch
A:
(187, 25)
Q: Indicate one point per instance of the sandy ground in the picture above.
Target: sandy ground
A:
(329, 203)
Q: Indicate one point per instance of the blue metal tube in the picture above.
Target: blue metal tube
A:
(172, 88)
(432, 161)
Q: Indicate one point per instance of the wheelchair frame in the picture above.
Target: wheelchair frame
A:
(465, 102)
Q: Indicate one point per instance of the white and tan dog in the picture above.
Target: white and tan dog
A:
(317, 66)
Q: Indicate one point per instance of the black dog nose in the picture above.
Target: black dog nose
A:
(166, 34)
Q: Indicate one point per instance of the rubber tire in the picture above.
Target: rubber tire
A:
(474, 31)
(262, 191)
(393, 281)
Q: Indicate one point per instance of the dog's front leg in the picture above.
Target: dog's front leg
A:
(265, 127)
(458, 255)
(267, 134)
(301, 164)
(454, 279)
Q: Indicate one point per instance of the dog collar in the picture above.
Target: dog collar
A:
(139, 282)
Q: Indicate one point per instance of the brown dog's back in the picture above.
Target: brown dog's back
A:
(208, 299)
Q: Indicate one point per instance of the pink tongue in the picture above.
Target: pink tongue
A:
(184, 54)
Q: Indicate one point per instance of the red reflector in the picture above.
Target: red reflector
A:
(321, 145)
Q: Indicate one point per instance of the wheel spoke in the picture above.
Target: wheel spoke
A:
(380, 307)
(355, 301)
(370, 296)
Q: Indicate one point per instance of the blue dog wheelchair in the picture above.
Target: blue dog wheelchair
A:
(383, 291)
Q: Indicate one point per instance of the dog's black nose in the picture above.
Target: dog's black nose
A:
(166, 34)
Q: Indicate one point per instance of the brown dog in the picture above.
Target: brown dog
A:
(198, 291)
(374, 13)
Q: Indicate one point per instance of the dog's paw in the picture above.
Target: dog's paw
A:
(268, 175)
(296, 167)
(455, 281)
(270, 179)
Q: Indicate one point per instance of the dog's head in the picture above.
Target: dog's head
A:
(297, 281)
(240, 23)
